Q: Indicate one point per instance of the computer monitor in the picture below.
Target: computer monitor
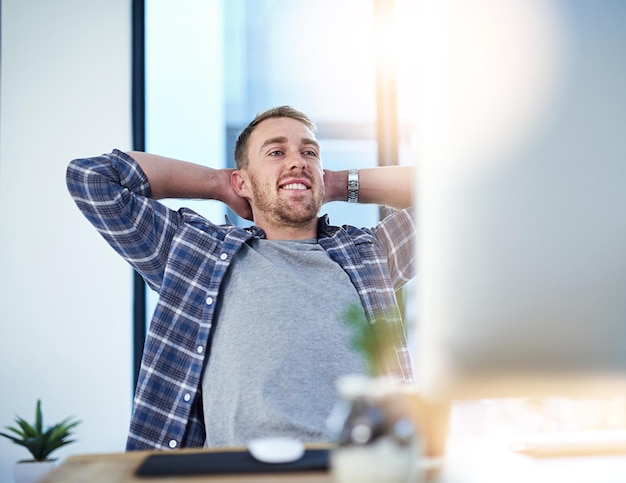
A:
(521, 199)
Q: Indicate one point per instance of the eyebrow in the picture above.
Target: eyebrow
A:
(283, 139)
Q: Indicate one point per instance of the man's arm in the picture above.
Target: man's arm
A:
(386, 185)
(172, 178)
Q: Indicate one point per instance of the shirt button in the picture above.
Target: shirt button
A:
(223, 256)
(187, 397)
(173, 443)
(209, 300)
(200, 349)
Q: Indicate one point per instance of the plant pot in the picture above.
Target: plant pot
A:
(32, 471)
(376, 439)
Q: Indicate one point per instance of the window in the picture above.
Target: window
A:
(211, 66)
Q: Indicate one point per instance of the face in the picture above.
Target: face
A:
(284, 178)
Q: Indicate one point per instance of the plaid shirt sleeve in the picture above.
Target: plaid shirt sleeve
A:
(113, 193)
(396, 235)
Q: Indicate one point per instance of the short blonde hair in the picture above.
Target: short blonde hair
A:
(241, 146)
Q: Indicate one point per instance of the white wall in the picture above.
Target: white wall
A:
(65, 297)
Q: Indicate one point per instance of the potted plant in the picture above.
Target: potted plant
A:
(376, 440)
(40, 441)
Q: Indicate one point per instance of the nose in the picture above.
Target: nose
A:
(297, 161)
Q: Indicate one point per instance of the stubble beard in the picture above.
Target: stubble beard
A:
(288, 213)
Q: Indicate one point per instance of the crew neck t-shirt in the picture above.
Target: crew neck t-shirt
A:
(279, 344)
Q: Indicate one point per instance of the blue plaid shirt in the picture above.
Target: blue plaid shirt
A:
(184, 257)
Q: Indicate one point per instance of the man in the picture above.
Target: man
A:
(247, 338)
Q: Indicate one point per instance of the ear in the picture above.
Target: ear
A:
(239, 183)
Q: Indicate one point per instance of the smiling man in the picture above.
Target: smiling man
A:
(247, 339)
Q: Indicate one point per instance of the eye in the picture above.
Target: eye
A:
(310, 153)
(276, 152)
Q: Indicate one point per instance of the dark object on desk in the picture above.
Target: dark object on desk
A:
(226, 462)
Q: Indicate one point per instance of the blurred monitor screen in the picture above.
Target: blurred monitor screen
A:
(522, 199)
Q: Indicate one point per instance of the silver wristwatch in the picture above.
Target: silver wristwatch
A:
(353, 185)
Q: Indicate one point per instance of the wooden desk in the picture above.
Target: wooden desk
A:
(120, 468)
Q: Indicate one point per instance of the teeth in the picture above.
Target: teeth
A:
(294, 186)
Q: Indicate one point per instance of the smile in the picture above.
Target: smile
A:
(294, 186)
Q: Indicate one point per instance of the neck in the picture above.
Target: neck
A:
(286, 232)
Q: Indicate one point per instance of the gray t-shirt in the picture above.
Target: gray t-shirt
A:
(279, 344)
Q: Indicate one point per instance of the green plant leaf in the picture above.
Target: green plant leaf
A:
(12, 438)
(27, 429)
(15, 430)
(38, 418)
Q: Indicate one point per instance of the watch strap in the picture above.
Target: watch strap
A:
(353, 185)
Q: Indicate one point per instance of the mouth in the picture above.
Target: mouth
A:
(294, 187)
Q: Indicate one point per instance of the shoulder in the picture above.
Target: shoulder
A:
(398, 225)
(193, 220)
(355, 234)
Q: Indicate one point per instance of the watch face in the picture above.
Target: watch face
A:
(353, 180)
(353, 185)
